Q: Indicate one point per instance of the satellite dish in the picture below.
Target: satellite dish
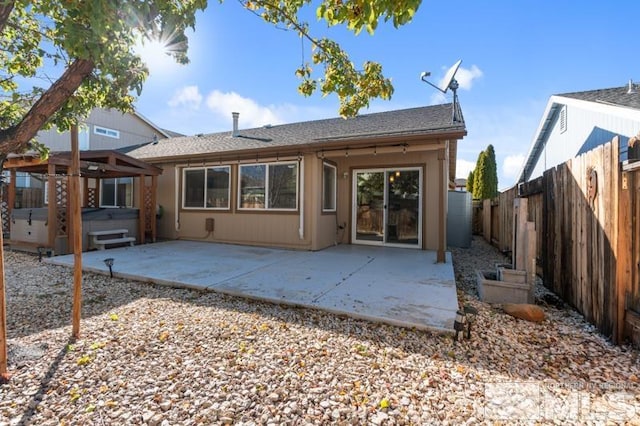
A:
(449, 77)
(448, 82)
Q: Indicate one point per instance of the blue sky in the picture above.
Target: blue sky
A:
(515, 55)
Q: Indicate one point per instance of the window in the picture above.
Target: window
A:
(116, 192)
(268, 186)
(329, 175)
(206, 188)
(106, 132)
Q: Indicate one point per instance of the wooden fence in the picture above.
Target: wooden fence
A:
(587, 215)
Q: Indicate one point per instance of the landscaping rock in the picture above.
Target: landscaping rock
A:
(524, 311)
(164, 356)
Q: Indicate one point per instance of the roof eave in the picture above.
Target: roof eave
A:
(318, 145)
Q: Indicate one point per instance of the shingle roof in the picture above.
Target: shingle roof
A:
(613, 96)
(408, 122)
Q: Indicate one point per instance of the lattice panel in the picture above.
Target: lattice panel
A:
(62, 199)
(149, 208)
(92, 196)
(4, 207)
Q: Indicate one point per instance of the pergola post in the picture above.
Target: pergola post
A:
(142, 223)
(11, 196)
(51, 211)
(75, 230)
(443, 182)
(154, 203)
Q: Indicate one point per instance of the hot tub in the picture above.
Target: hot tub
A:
(31, 226)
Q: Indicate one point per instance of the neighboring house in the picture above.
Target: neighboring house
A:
(461, 184)
(378, 179)
(106, 129)
(574, 123)
(103, 129)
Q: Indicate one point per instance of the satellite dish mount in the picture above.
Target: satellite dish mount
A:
(448, 82)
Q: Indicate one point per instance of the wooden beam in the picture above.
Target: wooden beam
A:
(4, 374)
(624, 248)
(76, 225)
(442, 202)
(11, 196)
(154, 202)
(52, 219)
(142, 218)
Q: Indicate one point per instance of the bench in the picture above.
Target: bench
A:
(97, 242)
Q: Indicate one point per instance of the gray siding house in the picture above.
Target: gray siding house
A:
(574, 123)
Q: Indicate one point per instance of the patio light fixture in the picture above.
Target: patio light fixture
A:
(92, 167)
(458, 324)
(470, 315)
(109, 262)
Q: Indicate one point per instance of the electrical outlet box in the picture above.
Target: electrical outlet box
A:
(208, 224)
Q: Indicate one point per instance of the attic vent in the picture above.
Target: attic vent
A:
(563, 119)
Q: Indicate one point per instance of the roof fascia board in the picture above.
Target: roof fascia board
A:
(539, 138)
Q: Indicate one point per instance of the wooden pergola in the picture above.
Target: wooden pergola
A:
(94, 166)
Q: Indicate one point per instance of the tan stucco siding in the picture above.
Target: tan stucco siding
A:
(268, 228)
(321, 229)
(427, 161)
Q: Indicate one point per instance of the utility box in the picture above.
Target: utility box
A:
(459, 219)
(208, 224)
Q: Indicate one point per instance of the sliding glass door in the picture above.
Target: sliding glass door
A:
(386, 207)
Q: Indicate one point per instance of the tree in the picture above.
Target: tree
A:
(479, 177)
(485, 176)
(61, 58)
(470, 182)
(492, 169)
(89, 44)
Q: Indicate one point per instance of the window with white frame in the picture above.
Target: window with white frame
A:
(116, 192)
(272, 186)
(206, 187)
(110, 133)
(329, 181)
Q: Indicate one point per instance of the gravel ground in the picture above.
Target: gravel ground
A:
(161, 356)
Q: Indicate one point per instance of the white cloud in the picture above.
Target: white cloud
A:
(465, 77)
(252, 114)
(512, 165)
(463, 167)
(188, 96)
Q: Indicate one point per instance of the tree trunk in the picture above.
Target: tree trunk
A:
(15, 139)
(5, 10)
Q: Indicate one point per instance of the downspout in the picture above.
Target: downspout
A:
(301, 228)
(177, 197)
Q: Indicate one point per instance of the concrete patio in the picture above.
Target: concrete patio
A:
(402, 287)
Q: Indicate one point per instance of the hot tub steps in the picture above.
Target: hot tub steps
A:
(119, 236)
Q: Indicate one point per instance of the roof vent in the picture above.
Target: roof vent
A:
(631, 90)
(267, 126)
(235, 116)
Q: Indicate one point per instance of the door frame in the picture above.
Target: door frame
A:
(354, 206)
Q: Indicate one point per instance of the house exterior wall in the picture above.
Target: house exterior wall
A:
(586, 127)
(281, 229)
(263, 228)
(132, 131)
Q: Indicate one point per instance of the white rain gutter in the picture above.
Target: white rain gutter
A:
(301, 228)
